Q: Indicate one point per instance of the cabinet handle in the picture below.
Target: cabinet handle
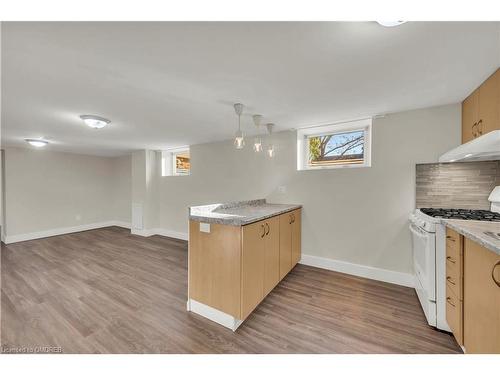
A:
(480, 129)
(293, 218)
(473, 131)
(263, 230)
(493, 273)
(268, 229)
(451, 259)
(290, 221)
(449, 279)
(450, 238)
(448, 299)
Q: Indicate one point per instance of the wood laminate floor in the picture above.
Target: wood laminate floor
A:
(107, 291)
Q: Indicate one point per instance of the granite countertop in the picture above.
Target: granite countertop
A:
(239, 213)
(475, 230)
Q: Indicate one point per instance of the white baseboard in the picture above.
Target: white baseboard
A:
(59, 231)
(160, 232)
(122, 224)
(380, 274)
(214, 315)
(171, 233)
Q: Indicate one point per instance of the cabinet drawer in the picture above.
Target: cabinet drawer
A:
(453, 261)
(454, 280)
(453, 239)
(454, 314)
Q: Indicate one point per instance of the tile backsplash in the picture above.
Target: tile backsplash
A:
(456, 185)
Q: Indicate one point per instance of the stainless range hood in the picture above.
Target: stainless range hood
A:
(485, 147)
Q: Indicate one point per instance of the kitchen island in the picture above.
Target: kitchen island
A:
(238, 252)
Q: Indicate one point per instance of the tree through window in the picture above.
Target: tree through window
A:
(337, 148)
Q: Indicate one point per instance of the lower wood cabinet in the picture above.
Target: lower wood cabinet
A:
(290, 241)
(454, 279)
(481, 299)
(260, 262)
(472, 294)
(232, 269)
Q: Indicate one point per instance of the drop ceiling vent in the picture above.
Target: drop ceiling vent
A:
(485, 147)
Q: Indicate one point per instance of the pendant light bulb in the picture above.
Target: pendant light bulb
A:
(270, 151)
(239, 140)
(257, 145)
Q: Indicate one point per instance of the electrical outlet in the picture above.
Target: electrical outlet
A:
(282, 189)
(78, 217)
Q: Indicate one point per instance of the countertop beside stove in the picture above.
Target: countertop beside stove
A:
(474, 230)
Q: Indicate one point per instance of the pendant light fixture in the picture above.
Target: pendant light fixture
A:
(257, 144)
(239, 140)
(270, 148)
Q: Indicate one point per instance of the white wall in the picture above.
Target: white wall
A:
(357, 215)
(47, 190)
(121, 185)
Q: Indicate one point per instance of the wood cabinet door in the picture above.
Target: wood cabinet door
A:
(271, 254)
(489, 105)
(469, 116)
(296, 236)
(252, 270)
(481, 300)
(285, 222)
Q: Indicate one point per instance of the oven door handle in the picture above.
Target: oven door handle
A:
(417, 232)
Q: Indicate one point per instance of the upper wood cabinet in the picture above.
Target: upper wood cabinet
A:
(481, 109)
(489, 105)
(470, 115)
(481, 299)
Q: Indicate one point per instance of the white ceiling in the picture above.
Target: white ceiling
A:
(173, 83)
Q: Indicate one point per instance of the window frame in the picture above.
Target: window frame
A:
(337, 128)
(168, 162)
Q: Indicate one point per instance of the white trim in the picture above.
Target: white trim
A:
(80, 228)
(380, 274)
(122, 224)
(214, 315)
(160, 232)
(59, 231)
(171, 233)
(303, 145)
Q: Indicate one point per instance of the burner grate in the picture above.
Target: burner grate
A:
(461, 214)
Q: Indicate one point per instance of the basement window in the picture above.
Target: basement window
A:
(341, 145)
(176, 162)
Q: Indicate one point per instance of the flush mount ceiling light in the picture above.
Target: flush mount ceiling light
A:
(257, 144)
(390, 23)
(37, 142)
(95, 122)
(239, 140)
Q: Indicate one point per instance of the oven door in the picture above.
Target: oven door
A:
(424, 260)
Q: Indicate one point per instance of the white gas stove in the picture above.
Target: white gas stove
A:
(429, 253)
